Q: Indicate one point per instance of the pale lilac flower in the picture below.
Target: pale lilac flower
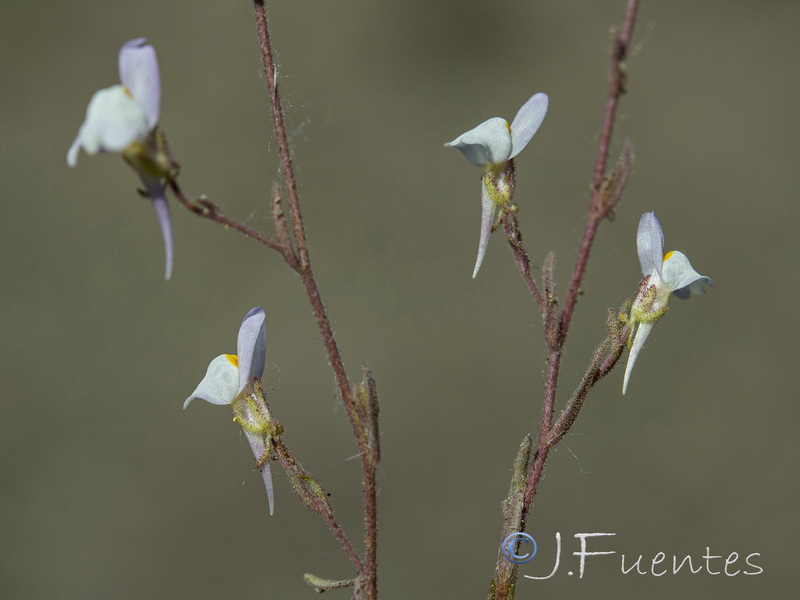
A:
(229, 380)
(492, 145)
(664, 274)
(123, 119)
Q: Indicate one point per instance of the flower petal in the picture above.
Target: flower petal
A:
(74, 149)
(487, 144)
(114, 120)
(138, 71)
(650, 244)
(487, 216)
(696, 288)
(679, 276)
(642, 331)
(220, 385)
(252, 347)
(259, 448)
(156, 192)
(527, 122)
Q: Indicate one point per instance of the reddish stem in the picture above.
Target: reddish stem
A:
(603, 200)
(616, 87)
(368, 585)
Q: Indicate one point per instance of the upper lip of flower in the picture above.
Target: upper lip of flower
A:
(650, 244)
(138, 71)
(251, 346)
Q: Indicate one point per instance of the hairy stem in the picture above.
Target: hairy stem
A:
(314, 498)
(606, 193)
(616, 87)
(368, 585)
(279, 125)
(521, 257)
(203, 207)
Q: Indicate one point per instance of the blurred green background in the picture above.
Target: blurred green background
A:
(110, 490)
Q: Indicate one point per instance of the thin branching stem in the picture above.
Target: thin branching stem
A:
(206, 209)
(368, 585)
(304, 269)
(279, 126)
(616, 88)
(606, 192)
(313, 498)
(521, 257)
(294, 250)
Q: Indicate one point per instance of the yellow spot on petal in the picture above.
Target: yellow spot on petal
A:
(233, 359)
(668, 254)
(128, 93)
(508, 126)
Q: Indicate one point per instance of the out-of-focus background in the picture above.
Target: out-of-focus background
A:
(110, 490)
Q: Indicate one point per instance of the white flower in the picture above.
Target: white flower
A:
(229, 375)
(492, 145)
(229, 380)
(664, 274)
(122, 119)
(122, 114)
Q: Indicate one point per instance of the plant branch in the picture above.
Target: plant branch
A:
(606, 192)
(314, 498)
(205, 208)
(603, 360)
(304, 269)
(279, 125)
(513, 521)
(367, 586)
(521, 257)
(295, 253)
(616, 87)
(606, 195)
